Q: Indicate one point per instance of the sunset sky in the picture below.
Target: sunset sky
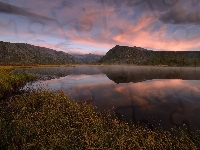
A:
(95, 26)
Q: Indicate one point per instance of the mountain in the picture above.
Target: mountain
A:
(87, 58)
(141, 56)
(26, 54)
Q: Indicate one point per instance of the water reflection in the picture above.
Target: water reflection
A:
(171, 95)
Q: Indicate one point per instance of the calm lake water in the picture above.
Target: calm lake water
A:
(136, 94)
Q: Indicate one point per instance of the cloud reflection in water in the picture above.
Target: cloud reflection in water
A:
(171, 100)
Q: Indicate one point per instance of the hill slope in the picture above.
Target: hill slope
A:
(140, 56)
(87, 58)
(21, 53)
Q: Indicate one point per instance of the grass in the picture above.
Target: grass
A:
(10, 82)
(43, 119)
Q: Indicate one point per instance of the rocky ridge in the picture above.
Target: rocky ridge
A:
(26, 54)
(141, 56)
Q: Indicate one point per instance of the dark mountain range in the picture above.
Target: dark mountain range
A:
(141, 56)
(87, 58)
(26, 54)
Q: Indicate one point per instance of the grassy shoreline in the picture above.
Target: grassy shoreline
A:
(42, 119)
(11, 82)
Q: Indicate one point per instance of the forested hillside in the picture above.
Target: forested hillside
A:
(20, 53)
(141, 56)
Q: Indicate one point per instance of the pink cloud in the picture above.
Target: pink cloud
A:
(89, 25)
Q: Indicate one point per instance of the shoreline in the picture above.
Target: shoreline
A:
(40, 114)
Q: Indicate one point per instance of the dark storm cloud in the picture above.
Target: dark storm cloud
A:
(161, 5)
(15, 10)
(178, 15)
(171, 11)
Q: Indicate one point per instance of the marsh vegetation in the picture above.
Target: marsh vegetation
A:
(11, 82)
(45, 119)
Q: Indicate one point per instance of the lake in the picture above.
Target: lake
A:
(169, 96)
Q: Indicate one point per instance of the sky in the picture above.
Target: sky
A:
(95, 26)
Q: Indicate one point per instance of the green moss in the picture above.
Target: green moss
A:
(10, 82)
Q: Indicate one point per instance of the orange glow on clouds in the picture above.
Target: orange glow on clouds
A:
(92, 27)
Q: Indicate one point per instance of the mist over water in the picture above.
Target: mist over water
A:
(134, 93)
